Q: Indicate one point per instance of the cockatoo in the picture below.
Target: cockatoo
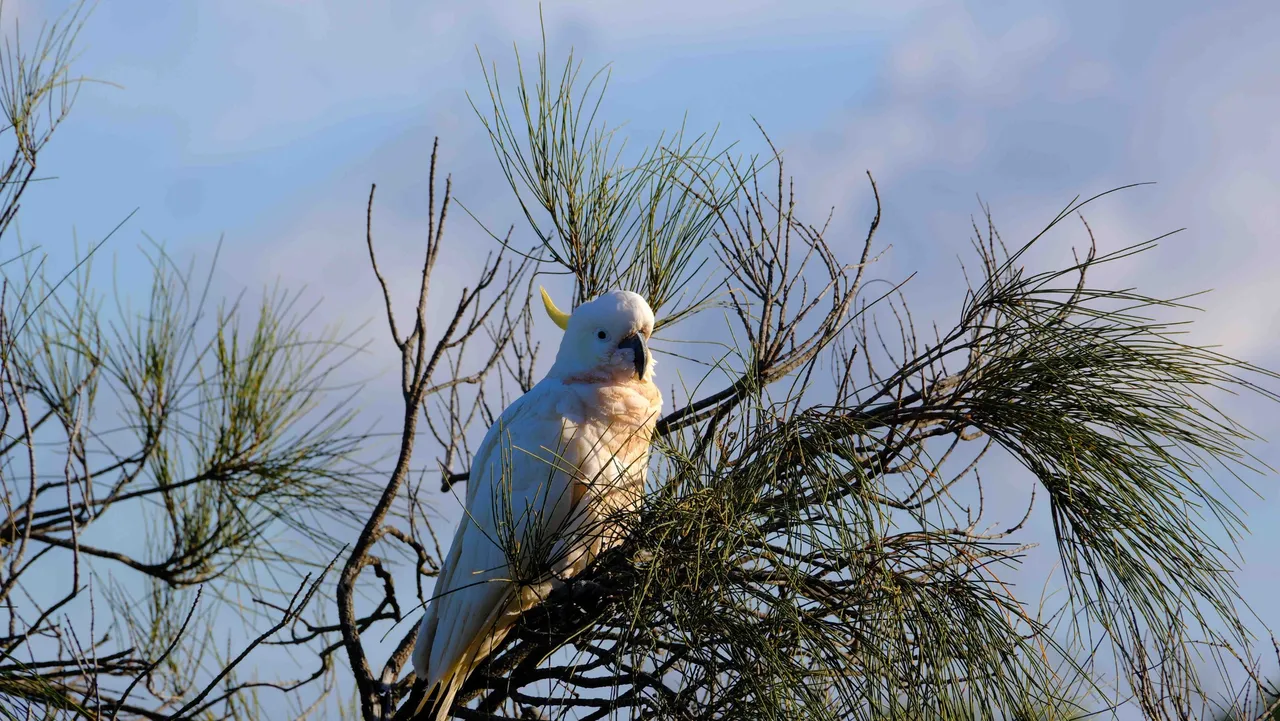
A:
(547, 487)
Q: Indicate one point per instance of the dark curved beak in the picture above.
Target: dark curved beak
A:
(635, 342)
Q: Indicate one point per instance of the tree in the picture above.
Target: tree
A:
(157, 466)
(814, 544)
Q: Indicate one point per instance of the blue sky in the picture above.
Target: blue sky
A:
(263, 122)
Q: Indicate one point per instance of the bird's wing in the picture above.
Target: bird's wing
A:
(520, 483)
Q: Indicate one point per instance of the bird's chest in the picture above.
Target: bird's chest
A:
(608, 427)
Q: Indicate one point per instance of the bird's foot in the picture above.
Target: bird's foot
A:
(589, 595)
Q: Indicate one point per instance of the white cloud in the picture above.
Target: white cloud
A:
(247, 76)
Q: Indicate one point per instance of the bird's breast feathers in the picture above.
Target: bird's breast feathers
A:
(615, 419)
(593, 437)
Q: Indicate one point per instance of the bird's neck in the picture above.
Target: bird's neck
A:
(621, 372)
(598, 377)
(628, 405)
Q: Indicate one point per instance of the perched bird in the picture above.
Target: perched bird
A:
(548, 485)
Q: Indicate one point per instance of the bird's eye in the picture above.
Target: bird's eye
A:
(602, 335)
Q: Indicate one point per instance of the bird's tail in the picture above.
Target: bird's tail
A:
(439, 698)
(440, 695)
(458, 668)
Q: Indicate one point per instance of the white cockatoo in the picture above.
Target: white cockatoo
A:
(547, 487)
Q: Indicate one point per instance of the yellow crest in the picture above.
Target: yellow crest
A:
(558, 316)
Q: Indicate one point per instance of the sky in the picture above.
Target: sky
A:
(261, 124)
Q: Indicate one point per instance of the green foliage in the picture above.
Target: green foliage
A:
(610, 221)
(212, 433)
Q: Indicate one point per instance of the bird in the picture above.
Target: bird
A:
(549, 487)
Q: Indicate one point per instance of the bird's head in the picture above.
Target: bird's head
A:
(605, 339)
